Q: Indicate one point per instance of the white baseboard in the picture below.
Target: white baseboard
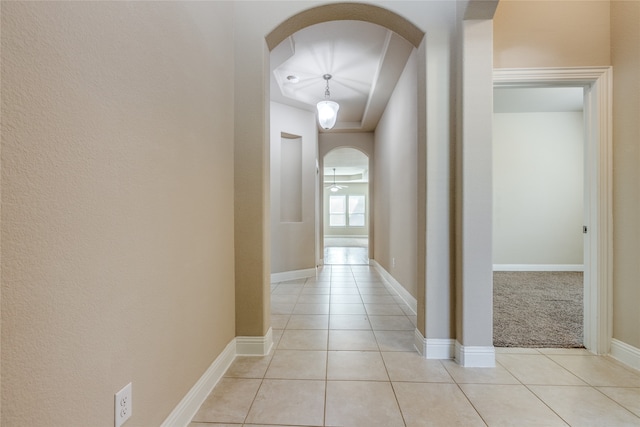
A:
(420, 343)
(189, 405)
(346, 236)
(625, 353)
(434, 348)
(293, 275)
(475, 356)
(411, 302)
(440, 348)
(182, 414)
(254, 346)
(538, 267)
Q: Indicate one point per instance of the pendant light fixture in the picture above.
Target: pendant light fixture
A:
(334, 187)
(327, 109)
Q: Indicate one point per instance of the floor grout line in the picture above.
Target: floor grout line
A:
(346, 277)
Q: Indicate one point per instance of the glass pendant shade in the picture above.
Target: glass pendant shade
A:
(327, 113)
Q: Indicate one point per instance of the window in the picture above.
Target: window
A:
(339, 216)
(337, 211)
(356, 211)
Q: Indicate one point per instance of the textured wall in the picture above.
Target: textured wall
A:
(116, 231)
(558, 33)
(625, 54)
(396, 167)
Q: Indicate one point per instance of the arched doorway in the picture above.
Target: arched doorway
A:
(435, 57)
(400, 256)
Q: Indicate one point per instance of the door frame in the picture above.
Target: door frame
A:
(598, 272)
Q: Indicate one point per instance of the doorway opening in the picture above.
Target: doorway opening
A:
(596, 83)
(539, 211)
(346, 207)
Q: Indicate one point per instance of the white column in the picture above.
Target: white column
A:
(474, 282)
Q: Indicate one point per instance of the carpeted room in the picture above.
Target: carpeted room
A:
(538, 309)
(538, 202)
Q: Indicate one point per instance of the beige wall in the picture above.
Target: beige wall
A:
(395, 204)
(538, 185)
(588, 33)
(551, 33)
(625, 55)
(117, 238)
(293, 243)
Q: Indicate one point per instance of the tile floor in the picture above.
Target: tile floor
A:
(343, 356)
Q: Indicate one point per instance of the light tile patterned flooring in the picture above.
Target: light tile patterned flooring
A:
(344, 356)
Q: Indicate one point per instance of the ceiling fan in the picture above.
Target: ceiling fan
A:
(335, 187)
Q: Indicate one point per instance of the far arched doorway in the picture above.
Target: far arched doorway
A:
(346, 207)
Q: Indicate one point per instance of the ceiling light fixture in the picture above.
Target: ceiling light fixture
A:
(327, 109)
(335, 187)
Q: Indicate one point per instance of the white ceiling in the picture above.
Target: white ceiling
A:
(364, 59)
(350, 164)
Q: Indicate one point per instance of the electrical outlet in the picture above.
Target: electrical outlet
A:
(393, 262)
(123, 406)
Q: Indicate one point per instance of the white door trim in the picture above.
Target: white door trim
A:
(597, 81)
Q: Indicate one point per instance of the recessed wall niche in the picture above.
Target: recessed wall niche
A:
(290, 178)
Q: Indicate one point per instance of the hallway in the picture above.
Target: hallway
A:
(344, 356)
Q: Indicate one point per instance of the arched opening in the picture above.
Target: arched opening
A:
(342, 12)
(435, 63)
(401, 257)
(366, 60)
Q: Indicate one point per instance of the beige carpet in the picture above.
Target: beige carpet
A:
(537, 309)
